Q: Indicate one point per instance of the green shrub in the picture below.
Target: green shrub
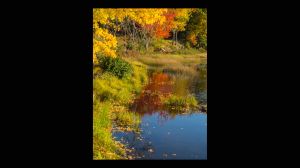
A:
(109, 87)
(187, 45)
(201, 42)
(116, 66)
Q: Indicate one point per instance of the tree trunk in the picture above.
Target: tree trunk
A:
(134, 29)
(173, 40)
(147, 44)
(176, 38)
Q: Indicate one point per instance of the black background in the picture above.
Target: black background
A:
(46, 67)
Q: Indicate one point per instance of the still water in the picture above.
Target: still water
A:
(165, 134)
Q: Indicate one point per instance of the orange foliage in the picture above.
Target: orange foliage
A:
(162, 30)
(192, 38)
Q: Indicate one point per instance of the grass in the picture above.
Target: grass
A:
(125, 120)
(108, 87)
(139, 77)
(160, 46)
(104, 147)
(179, 103)
(111, 97)
(173, 63)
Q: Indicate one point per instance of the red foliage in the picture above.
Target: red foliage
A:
(162, 31)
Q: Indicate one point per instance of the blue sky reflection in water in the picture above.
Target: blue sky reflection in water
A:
(183, 137)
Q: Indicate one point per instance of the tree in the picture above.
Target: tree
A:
(141, 25)
(181, 18)
(136, 24)
(163, 30)
(103, 42)
(197, 29)
(143, 21)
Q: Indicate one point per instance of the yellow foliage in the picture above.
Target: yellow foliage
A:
(142, 16)
(104, 43)
(148, 16)
(181, 18)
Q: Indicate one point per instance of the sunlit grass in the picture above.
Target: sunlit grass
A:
(111, 97)
(104, 147)
(173, 63)
(181, 103)
(125, 120)
(108, 87)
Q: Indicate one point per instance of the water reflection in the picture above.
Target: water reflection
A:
(165, 133)
(149, 101)
(200, 86)
(162, 85)
(184, 137)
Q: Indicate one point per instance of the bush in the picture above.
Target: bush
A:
(201, 42)
(116, 66)
(187, 45)
(108, 87)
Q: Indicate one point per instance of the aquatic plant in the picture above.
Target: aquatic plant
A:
(181, 103)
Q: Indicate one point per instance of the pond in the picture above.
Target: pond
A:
(167, 134)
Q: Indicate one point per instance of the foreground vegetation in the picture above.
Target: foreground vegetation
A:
(111, 96)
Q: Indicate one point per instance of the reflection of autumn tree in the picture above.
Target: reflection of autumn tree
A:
(150, 99)
(161, 85)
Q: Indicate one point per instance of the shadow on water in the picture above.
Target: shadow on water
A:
(166, 134)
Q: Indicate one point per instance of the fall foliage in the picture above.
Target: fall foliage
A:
(140, 26)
